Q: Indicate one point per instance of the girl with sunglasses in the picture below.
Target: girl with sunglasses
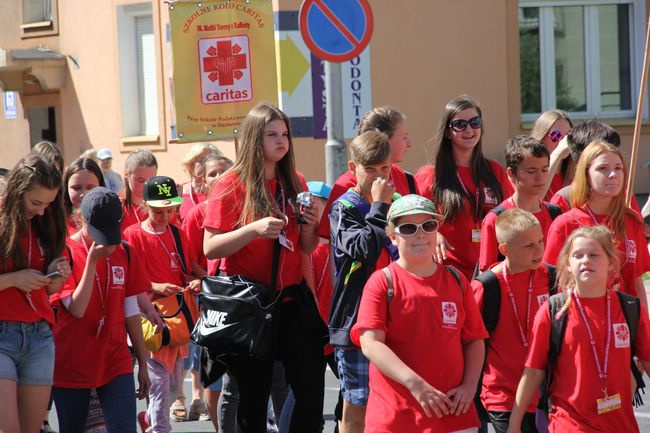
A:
(550, 128)
(598, 198)
(463, 184)
(412, 387)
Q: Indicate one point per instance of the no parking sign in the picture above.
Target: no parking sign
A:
(336, 30)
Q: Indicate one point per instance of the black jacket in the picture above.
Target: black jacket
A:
(356, 242)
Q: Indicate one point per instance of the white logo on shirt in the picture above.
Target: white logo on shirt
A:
(118, 275)
(621, 335)
(449, 313)
(541, 299)
(630, 250)
(490, 198)
(176, 259)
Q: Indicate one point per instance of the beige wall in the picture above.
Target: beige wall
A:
(421, 58)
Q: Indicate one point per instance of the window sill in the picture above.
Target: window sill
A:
(38, 29)
(615, 122)
(149, 142)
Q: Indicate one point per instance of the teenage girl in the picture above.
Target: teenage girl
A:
(80, 177)
(590, 389)
(597, 197)
(249, 209)
(195, 191)
(32, 239)
(139, 166)
(464, 184)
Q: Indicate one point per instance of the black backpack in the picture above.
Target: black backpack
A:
(631, 307)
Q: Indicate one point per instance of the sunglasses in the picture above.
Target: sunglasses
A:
(555, 136)
(409, 229)
(459, 125)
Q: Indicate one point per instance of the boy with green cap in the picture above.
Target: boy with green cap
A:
(422, 378)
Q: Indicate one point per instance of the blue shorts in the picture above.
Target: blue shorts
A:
(27, 353)
(193, 362)
(353, 375)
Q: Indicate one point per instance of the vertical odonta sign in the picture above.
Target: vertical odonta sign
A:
(224, 63)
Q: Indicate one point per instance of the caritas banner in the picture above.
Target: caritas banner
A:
(224, 63)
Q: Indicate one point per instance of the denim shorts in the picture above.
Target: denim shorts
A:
(27, 352)
(353, 375)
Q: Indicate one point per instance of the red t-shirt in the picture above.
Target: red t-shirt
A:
(557, 183)
(506, 353)
(190, 200)
(14, 303)
(193, 227)
(434, 351)
(322, 279)
(458, 232)
(349, 180)
(83, 358)
(489, 250)
(253, 260)
(163, 264)
(74, 224)
(133, 214)
(633, 251)
(576, 386)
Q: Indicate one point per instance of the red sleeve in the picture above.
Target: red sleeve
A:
(346, 181)
(192, 227)
(185, 243)
(489, 249)
(137, 281)
(224, 204)
(473, 328)
(424, 181)
(78, 266)
(373, 308)
(558, 199)
(538, 354)
(477, 288)
(642, 343)
(557, 235)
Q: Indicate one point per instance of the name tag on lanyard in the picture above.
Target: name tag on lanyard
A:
(608, 403)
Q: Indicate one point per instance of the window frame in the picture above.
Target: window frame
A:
(39, 28)
(548, 83)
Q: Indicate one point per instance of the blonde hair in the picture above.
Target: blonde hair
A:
(581, 190)
(545, 122)
(512, 222)
(196, 153)
(566, 280)
(370, 148)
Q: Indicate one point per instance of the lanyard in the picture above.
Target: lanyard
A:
(171, 256)
(602, 368)
(322, 276)
(28, 295)
(102, 295)
(524, 335)
(135, 212)
(477, 221)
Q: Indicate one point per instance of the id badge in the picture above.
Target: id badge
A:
(476, 235)
(285, 242)
(608, 403)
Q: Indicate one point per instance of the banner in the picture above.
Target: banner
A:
(224, 63)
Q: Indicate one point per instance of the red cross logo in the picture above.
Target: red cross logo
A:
(224, 63)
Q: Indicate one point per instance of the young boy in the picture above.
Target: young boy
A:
(514, 290)
(167, 266)
(359, 245)
(527, 162)
(420, 327)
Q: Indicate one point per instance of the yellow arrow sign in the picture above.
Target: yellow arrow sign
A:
(293, 65)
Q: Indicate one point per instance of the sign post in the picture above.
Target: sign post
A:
(336, 32)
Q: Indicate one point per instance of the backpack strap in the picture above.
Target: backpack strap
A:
(390, 291)
(631, 307)
(565, 192)
(491, 300)
(552, 278)
(558, 327)
(411, 182)
(498, 210)
(553, 210)
(179, 246)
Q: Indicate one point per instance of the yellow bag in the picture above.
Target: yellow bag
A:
(179, 313)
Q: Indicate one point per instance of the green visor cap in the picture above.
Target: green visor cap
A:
(412, 204)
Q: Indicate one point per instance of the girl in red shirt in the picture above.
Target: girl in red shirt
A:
(249, 209)
(80, 177)
(195, 191)
(597, 197)
(139, 166)
(464, 184)
(590, 391)
(32, 239)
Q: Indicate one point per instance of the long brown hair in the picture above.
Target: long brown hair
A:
(30, 172)
(137, 158)
(78, 165)
(542, 127)
(249, 166)
(581, 190)
(448, 193)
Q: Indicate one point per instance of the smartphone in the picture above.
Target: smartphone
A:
(54, 275)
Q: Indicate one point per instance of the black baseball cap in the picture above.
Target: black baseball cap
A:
(160, 191)
(102, 211)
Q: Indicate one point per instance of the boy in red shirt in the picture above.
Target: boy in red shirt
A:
(422, 378)
(527, 167)
(523, 285)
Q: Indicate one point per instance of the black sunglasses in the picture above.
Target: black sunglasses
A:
(409, 229)
(459, 125)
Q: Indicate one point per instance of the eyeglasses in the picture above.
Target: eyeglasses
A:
(556, 136)
(409, 229)
(459, 125)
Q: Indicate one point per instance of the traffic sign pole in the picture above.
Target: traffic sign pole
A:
(335, 149)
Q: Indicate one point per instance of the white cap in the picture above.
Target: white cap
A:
(104, 154)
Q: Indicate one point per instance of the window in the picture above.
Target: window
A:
(39, 18)
(580, 56)
(138, 76)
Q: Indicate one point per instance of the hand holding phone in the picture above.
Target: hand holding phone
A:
(54, 275)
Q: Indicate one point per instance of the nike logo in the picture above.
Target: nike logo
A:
(217, 328)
